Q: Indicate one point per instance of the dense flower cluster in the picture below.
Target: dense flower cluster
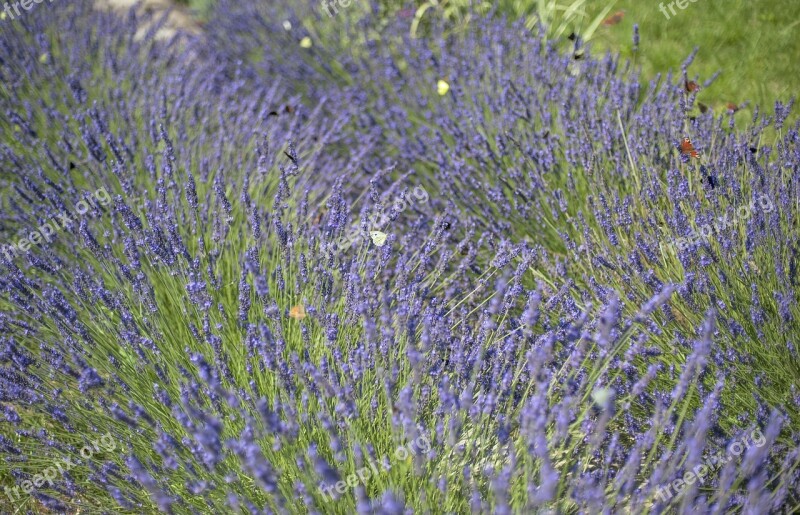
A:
(530, 322)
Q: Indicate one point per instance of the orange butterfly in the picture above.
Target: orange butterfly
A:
(688, 148)
(298, 312)
(614, 18)
(732, 107)
(691, 86)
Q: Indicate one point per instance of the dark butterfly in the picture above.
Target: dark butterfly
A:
(572, 36)
(753, 150)
(703, 107)
(291, 157)
(287, 109)
(688, 149)
(712, 181)
(445, 225)
(71, 165)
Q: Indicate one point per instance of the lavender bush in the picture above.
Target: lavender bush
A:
(530, 322)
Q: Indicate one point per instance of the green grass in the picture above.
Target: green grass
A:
(753, 44)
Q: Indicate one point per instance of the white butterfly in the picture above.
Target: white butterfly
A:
(378, 238)
(604, 397)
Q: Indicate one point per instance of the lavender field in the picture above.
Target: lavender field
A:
(303, 260)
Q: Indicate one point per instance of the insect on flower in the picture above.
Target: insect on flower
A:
(442, 87)
(604, 398)
(691, 86)
(287, 109)
(732, 108)
(292, 158)
(708, 177)
(688, 149)
(297, 312)
(378, 238)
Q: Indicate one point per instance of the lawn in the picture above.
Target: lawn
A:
(753, 44)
